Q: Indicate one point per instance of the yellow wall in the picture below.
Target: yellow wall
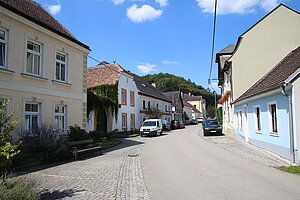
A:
(263, 47)
(22, 87)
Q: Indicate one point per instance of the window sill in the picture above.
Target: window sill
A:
(33, 76)
(6, 71)
(61, 83)
(273, 134)
(258, 132)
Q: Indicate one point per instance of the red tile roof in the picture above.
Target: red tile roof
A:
(276, 76)
(34, 12)
(103, 74)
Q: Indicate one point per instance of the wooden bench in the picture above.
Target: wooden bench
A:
(74, 147)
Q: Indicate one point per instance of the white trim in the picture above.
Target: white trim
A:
(40, 54)
(291, 77)
(61, 62)
(255, 119)
(24, 88)
(271, 133)
(42, 29)
(5, 41)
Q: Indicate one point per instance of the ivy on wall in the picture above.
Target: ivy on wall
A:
(103, 96)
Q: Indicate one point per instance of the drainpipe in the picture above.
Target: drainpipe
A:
(291, 124)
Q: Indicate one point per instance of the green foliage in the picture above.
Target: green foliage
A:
(44, 142)
(154, 112)
(219, 116)
(7, 150)
(16, 189)
(291, 169)
(103, 96)
(76, 133)
(97, 135)
(168, 82)
(213, 112)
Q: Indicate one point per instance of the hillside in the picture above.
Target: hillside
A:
(168, 82)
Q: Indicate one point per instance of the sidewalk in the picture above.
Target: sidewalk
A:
(247, 150)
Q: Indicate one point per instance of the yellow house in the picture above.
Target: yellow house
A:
(42, 67)
(257, 50)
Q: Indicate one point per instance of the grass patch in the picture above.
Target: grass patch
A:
(17, 189)
(292, 169)
(134, 135)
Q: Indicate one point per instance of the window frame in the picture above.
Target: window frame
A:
(40, 54)
(65, 115)
(123, 98)
(132, 99)
(124, 126)
(270, 119)
(60, 63)
(132, 122)
(5, 43)
(31, 113)
(144, 104)
(257, 119)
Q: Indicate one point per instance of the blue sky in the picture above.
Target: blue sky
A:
(153, 36)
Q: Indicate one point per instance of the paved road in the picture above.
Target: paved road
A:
(183, 165)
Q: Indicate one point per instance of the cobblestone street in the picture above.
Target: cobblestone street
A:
(96, 177)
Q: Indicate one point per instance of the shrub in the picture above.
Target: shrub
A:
(76, 133)
(7, 150)
(97, 135)
(16, 189)
(44, 142)
(111, 134)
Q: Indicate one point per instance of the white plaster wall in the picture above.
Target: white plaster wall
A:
(296, 112)
(126, 81)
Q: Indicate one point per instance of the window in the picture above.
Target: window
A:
(61, 67)
(60, 116)
(241, 120)
(132, 98)
(273, 118)
(257, 118)
(132, 120)
(166, 108)
(149, 107)
(32, 115)
(124, 121)
(33, 58)
(144, 104)
(123, 96)
(157, 106)
(3, 47)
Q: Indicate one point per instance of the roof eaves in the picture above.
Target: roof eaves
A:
(292, 77)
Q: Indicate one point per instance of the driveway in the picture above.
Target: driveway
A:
(184, 165)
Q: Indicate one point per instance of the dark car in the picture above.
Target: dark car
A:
(211, 127)
(194, 121)
(178, 124)
(166, 125)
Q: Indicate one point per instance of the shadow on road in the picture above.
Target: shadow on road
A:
(58, 194)
(125, 143)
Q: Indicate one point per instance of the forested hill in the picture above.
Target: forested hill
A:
(168, 82)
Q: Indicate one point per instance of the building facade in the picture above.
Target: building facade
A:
(42, 67)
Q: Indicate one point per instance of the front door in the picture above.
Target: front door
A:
(246, 129)
(101, 120)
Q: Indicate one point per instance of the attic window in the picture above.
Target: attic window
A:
(143, 85)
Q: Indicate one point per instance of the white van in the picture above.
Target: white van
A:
(151, 127)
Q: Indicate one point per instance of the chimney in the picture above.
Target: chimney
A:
(153, 84)
(115, 61)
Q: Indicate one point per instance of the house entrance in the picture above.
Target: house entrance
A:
(101, 120)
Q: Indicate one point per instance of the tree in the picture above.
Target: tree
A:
(7, 150)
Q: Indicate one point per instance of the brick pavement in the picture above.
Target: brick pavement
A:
(96, 177)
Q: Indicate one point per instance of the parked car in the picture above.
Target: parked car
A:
(151, 127)
(179, 124)
(200, 119)
(166, 125)
(211, 127)
(194, 121)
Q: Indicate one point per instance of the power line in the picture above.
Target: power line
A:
(102, 63)
(213, 42)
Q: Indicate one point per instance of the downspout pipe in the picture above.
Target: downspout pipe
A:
(291, 122)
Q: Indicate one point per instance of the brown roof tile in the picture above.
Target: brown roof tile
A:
(103, 74)
(34, 12)
(276, 76)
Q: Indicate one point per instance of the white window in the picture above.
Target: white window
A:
(60, 117)
(132, 120)
(241, 120)
(257, 118)
(61, 67)
(32, 115)
(144, 104)
(123, 96)
(33, 58)
(273, 118)
(132, 102)
(124, 121)
(3, 47)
